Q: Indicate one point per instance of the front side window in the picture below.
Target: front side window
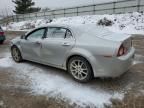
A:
(38, 34)
(56, 32)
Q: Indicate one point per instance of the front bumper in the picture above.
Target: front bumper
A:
(114, 66)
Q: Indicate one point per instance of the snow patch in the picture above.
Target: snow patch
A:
(48, 82)
(138, 59)
(6, 62)
(55, 85)
(129, 23)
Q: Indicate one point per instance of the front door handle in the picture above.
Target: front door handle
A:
(66, 44)
(38, 43)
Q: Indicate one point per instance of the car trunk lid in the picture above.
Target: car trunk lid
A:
(113, 36)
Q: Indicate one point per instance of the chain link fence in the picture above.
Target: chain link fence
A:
(103, 8)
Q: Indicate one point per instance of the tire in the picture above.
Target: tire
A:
(80, 69)
(16, 55)
(2, 41)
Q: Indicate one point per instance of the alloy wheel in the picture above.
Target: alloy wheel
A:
(16, 54)
(79, 69)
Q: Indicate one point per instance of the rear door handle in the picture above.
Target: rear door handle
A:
(37, 43)
(66, 44)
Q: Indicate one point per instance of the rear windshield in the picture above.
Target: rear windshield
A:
(91, 29)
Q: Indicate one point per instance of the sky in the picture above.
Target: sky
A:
(6, 6)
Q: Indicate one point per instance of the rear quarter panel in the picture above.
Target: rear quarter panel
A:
(93, 47)
(97, 46)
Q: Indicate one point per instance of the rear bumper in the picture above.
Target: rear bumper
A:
(114, 66)
(2, 38)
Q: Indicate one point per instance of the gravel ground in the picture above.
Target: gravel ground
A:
(15, 92)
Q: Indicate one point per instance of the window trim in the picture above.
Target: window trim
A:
(45, 29)
(66, 34)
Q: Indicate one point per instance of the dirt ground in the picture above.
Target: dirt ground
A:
(15, 93)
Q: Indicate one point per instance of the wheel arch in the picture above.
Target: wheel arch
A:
(15, 45)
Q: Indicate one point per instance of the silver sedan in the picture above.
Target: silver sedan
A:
(85, 51)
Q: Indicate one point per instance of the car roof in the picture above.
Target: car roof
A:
(63, 25)
(74, 27)
(78, 29)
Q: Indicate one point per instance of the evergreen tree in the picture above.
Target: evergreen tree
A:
(25, 6)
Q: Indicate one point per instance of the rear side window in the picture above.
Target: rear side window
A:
(56, 32)
(68, 34)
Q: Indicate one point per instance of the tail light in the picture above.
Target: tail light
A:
(122, 50)
(1, 33)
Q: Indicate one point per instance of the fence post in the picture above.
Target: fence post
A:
(35, 15)
(77, 11)
(23, 17)
(64, 12)
(7, 20)
(12, 18)
(44, 15)
(29, 16)
(138, 5)
(94, 9)
(53, 14)
(17, 18)
(114, 7)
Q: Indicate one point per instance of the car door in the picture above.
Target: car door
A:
(58, 42)
(31, 45)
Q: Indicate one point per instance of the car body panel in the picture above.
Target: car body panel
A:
(100, 51)
(54, 51)
(31, 49)
(112, 67)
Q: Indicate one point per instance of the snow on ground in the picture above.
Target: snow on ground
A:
(45, 81)
(4, 62)
(25, 25)
(138, 59)
(130, 23)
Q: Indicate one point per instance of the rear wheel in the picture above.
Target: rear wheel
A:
(80, 69)
(16, 55)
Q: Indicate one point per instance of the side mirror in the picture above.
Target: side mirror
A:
(23, 36)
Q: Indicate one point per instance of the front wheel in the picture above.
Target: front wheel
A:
(80, 69)
(16, 55)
